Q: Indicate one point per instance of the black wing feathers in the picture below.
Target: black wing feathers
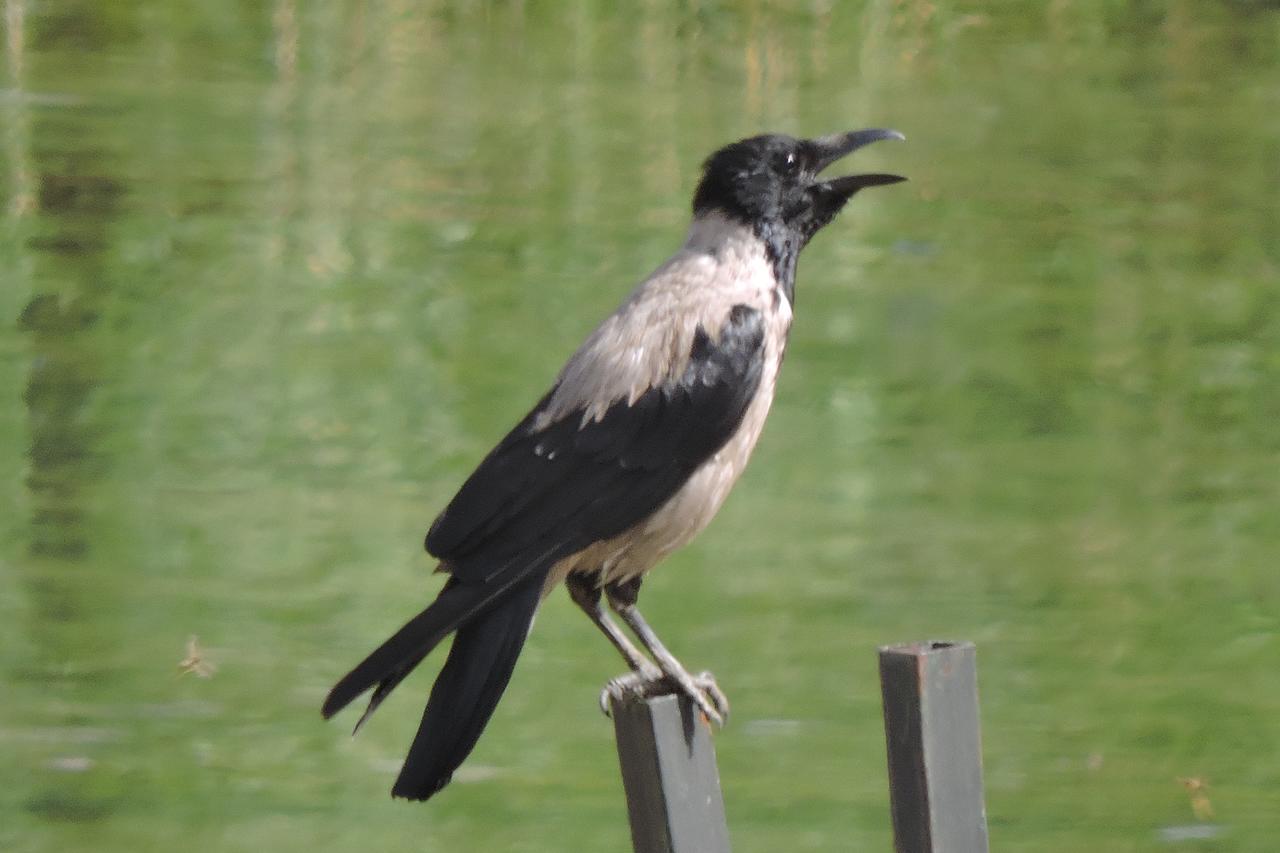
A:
(591, 482)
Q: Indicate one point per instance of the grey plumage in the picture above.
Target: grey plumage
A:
(628, 456)
(646, 343)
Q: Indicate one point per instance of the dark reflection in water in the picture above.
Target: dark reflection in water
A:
(68, 256)
(76, 211)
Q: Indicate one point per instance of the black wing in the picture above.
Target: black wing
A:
(566, 486)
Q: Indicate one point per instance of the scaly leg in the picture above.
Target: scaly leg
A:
(701, 688)
(585, 594)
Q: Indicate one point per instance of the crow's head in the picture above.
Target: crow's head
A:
(771, 182)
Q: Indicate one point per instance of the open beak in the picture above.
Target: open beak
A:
(828, 149)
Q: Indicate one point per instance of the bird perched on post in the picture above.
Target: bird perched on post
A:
(625, 459)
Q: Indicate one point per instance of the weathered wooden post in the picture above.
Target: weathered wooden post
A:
(935, 749)
(670, 776)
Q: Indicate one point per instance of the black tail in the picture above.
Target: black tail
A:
(467, 690)
(388, 664)
(492, 620)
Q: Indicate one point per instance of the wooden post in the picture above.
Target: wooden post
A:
(935, 752)
(670, 776)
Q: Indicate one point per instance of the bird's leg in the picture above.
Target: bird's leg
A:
(701, 688)
(586, 594)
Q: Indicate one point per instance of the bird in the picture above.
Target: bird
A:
(626, 458)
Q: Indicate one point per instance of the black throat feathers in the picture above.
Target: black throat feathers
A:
(782, 247)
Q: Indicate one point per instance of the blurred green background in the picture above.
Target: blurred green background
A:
(277, 274)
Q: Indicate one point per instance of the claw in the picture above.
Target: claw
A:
(709, 698)
(642, 685)
(706, 682)
(701, 689)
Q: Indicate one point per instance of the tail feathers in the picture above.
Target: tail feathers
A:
(387, 684)
(467, 690)
(394, 659)
(387, 665)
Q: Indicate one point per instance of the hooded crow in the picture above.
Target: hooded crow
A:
(626, 458)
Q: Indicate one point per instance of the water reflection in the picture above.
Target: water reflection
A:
(64, 204)
(68, 266)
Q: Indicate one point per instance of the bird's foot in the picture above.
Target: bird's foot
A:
(701, 689)
(642, 683)
(711, 692)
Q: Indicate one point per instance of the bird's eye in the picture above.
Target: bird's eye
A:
(790, 163)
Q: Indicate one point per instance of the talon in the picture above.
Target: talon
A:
(710, 714)
(709, 698)
(701, 689)
(706, 682)
(649, 682)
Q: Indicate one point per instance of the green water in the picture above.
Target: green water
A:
(276, 275)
